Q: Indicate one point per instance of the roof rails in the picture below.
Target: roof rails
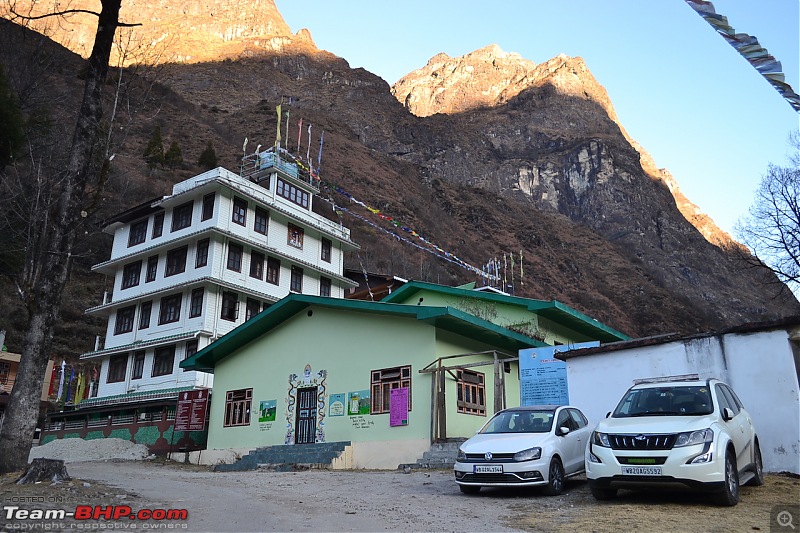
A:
(667, 379)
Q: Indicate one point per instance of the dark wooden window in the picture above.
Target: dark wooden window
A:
(130, 274)
(191, 349)
(235, 257)
(383, 381)
(124, 320)
(138, 233)
(471, 392)
(237, 407)
(239, 215)
(230, 306)
(201, 258)
(296, 284)
(256, 265)
(324, 286)
(295, 237)
(196, 303)
(252, 308)
(138, 365)
(273, 271)
(293, 194)
(176, 261)
(152, 268)
(145, 310)
(261, 221)
(158, 224)
(170, 310)
(163, 360)
(182, 216)
(208, 206)
(325, 255)
(117, 367)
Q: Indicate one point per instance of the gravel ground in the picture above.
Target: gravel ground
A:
(323, 500)
(72, 450)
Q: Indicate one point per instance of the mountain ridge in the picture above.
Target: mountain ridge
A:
(546, 171)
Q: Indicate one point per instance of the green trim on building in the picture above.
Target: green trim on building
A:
(445, 318)
(552, 310)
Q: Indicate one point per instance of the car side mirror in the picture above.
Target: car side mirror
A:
(563, 430)
(727, 414)
(608, 414)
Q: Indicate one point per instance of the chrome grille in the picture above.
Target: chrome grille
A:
(642, 442)
(496, 458)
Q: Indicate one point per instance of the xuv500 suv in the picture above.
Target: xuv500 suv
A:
(686, 433)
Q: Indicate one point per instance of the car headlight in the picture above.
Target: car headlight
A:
(461, 455)
(528, 455)
(690, 438)
(600, 439)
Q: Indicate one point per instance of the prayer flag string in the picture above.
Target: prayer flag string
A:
(749, 48)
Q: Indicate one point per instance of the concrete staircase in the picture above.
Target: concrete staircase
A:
(441, 455)
(287, 458)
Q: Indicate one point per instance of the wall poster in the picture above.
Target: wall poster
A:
(336, 405)
(398, 407)
(542, 377)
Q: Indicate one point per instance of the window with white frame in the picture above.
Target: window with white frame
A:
(117, 367)
(163, 360)
(138, 233)
(182, 216)
(170, 309)
(130, 274)
(230, 306)
(124, 320)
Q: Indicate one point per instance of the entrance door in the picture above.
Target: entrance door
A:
(306, 421)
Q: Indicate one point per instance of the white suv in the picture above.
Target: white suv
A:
(675, 433)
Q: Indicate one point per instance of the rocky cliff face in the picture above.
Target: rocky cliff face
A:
(189, 31)
(484, 155)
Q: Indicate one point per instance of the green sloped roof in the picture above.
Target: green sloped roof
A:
(445, 318)
(552, 310)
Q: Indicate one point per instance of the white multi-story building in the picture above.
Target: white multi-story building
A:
(192, 266)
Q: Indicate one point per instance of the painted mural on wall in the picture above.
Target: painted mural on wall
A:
(358, 403)
(308, 379)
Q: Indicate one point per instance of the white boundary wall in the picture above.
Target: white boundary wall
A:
(760, 366)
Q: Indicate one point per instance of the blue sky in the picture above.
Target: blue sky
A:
(678, 88)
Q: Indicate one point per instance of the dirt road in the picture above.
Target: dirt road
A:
(382, 501)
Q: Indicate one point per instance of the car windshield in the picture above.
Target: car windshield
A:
(665, 401)
(527, 421)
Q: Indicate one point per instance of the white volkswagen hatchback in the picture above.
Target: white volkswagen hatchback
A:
(524, 446)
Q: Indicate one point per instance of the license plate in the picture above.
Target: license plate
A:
(488, 469)
(641, 470)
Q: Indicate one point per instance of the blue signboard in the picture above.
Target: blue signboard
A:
(542, 377)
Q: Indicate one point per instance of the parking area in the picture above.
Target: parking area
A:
(423, 500)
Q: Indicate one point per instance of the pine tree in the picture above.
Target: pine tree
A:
(154, 153)
(174, 157)
(208, 158)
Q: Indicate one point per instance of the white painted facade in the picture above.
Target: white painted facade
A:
(760, 364)
(178, 289)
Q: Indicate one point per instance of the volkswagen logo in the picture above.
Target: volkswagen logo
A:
(488, 456)
(640, 437)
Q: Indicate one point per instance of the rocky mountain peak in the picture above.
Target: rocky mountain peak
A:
(489, 77)
(191, 31)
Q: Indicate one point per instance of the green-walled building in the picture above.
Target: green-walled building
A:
(387, 378)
